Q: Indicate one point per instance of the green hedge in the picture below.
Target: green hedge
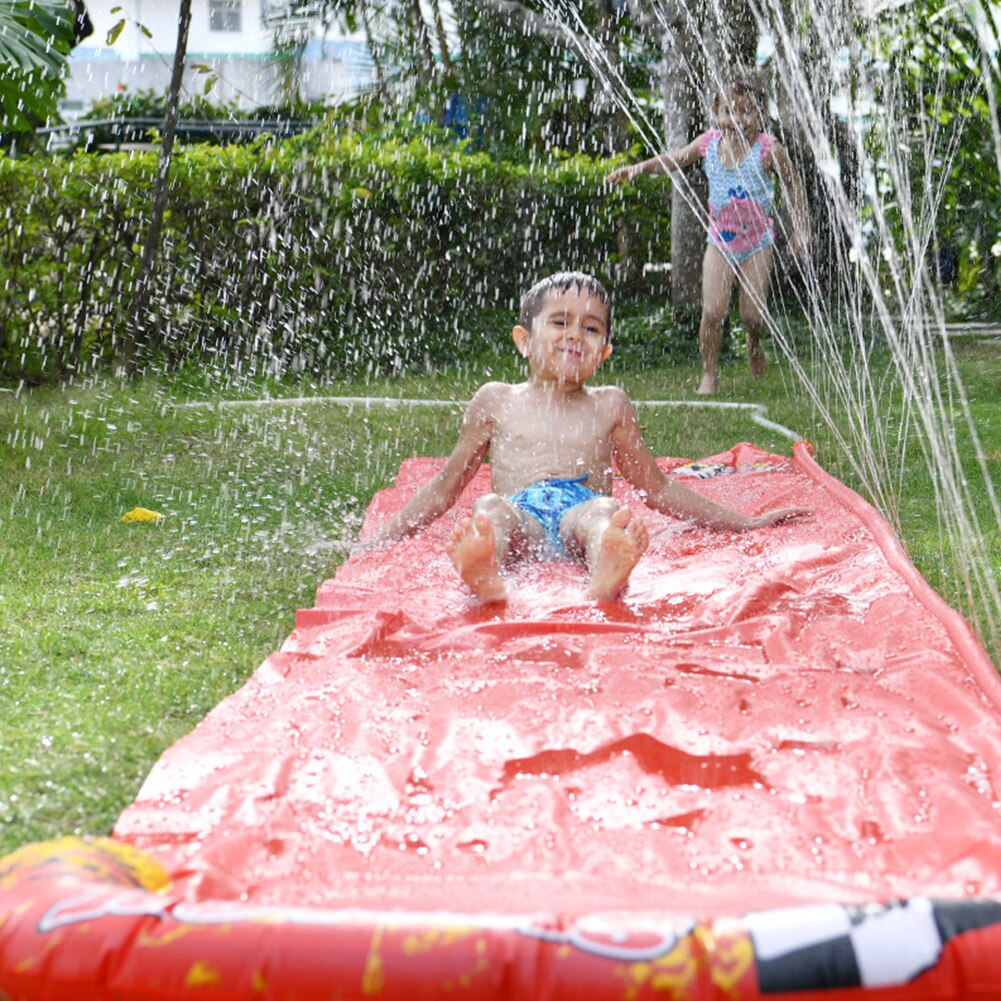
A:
(327, 252)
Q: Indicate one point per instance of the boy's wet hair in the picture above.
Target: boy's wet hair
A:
(746, 82)
(534, 299)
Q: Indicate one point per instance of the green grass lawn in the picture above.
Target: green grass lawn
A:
(116, 639)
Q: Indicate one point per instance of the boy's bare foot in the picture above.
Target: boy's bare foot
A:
(621, 546)
(708, 385)
(756, 360)
(473, 552)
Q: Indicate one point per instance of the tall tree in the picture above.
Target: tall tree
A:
(592, 36)
(529, 58)
(674, 30)
(140, 318)
(696, 45)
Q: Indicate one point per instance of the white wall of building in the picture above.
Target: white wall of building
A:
(218, 27)
(229, 36)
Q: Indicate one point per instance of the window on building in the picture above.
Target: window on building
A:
(225, 15)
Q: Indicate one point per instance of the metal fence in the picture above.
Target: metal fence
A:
(116, 134)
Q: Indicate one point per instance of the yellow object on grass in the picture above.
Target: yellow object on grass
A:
(142, 514)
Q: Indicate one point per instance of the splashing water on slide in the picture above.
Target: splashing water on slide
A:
(715, 784)
(846, 109)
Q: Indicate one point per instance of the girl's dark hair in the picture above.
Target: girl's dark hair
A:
(532, 301)
(748, 82)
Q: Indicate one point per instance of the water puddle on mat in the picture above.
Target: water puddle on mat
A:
(675, 766)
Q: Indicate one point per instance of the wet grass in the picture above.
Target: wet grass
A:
(115, 639)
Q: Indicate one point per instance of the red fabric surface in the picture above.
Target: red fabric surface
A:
(770, 718)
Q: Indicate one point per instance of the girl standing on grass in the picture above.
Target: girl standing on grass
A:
(741, 161)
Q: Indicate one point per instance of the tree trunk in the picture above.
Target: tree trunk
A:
(439, 31)
(730, 34)
(681, 113)
(422, 41)
(380, 76)
(608, 102)
(138, 317)
(696, 59)
(518, 17)
(609, 110)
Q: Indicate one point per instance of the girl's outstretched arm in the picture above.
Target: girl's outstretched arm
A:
(662, 163)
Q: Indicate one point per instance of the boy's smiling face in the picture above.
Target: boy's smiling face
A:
(569, 338)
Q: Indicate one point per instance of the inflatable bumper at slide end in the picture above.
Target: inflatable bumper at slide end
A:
(767, 772)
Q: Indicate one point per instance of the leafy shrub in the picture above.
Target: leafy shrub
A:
(942, 82)
(147, 103)
(331, 251)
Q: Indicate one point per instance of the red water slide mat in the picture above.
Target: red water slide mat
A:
(767, 771)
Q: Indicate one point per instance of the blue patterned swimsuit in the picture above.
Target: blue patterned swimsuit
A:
(548, 501)
(740, 199)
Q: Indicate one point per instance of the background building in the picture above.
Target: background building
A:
(232, 38)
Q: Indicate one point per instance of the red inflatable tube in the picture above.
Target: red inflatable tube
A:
(97, 921)
(769, 771)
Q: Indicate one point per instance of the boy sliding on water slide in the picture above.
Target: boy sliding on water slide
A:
(552, 442)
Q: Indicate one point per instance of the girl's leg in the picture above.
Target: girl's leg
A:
(611, 540)
(755, 274)
(479, 546)
(717, 287)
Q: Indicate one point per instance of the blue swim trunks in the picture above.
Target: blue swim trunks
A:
(548, 501)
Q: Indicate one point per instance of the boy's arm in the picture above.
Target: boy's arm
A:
(436, 496)
(639, 467)
(662, 163)
(792, 185)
